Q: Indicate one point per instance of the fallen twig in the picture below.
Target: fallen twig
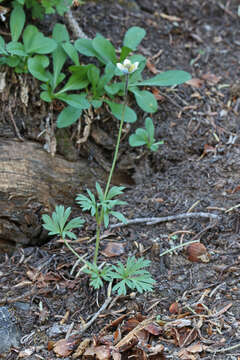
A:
(95, 316)
(73, 25)
(157, 220)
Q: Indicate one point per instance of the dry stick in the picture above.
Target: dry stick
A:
(73, 25)
(14, 125)
(95, 316)
(223, 350)
(156, 220)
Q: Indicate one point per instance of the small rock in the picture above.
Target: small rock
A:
(9, 332)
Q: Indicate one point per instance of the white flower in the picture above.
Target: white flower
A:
(127, 67)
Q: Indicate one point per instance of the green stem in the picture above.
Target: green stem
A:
(99, 223)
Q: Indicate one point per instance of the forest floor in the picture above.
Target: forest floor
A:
(194, 310)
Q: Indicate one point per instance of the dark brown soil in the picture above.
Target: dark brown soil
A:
(196, 170)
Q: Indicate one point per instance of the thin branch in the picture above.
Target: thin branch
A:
(157, 220)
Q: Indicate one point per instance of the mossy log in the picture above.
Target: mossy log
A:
(32, 182)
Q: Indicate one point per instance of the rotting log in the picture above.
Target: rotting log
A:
(32, 183)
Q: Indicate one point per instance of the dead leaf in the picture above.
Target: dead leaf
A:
(113, 249)
(153, 329)
(157, 94)
(65, 347)
(195, 82)
(170, 17)
(185, 355)
(151, 67)
(196, 348)
(103, 352)
(174, 308)
(211, 78)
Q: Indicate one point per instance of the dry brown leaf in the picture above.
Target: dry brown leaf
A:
(185, 355)
(157, 94)
(103, 352)
(195, 82)
(174, 308)
(211, 78)
(196, 348)
(65, 347)
(151, 67)
(153, 329)
(113, 249)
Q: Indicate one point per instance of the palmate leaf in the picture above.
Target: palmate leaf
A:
(133, 275)
(57, 224)
(115, 191)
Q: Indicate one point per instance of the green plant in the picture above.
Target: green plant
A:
(133, 275)
(39, 8)
(18, 54)
(58, 225)
(145, 136)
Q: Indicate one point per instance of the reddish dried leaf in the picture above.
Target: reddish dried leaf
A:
(157, 94)
(103, 352)
(151, 67)
(130, 324)
(195, 82)
(117, 335)
(185, 355)
(187, 336)
(81, 348)
(196, 348)
(65, 347)
(174, 308)
(211, 78)
(199, 308)
(113, 249)
(153, 329)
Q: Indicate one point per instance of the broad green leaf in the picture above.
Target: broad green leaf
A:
(114, 88)
(139, 138)
(16, 48)
(2, 46)
(93, 76)
(59, 58)
(75, 100)
(167, 78)
(77, 81)
(124, 53)
(63, 6)
(85, 47)
(105, 49)
(12, 61)
(37, 66)
(71, 52)
(149, 127)
(145, 100)
(117, 110)
(45, 96)
(17, 21)
(36, 42)
(106, 77)
(96, 103)
(68, 116)
(60, 33)
(133, 37)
